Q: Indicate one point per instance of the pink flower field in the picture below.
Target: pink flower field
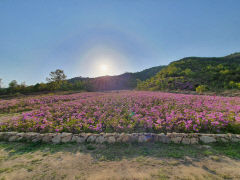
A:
(123, 111)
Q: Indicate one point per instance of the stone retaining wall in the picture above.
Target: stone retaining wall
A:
(177, 138)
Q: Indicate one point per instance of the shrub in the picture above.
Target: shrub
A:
(233, 128)
(201, 88)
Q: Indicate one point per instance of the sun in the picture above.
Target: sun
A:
(103, 67)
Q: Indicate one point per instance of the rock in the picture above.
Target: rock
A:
(47, 138)
(81, 139)
(64, 134)
(194, 140)
(21, 134)
(144, 138)
(186, 140)
(66, 137)
(164, 138)
(220, 135)
(100, 139)
(177, 140)
(116, 136)
(13, 138)
(174, 134)
(207, 139)
(8, 135)
(229, 135)
(37, 139)
(21, 137)
(111, 139)
(124, 138)
(155, 137)
(78, 139)
(235, 139)
(56, 139)
(91, 139)
(195, 135)
(85, 135)
(223, 139)
(74, 138)
(31, 135)
(109, 134)
(133, 137)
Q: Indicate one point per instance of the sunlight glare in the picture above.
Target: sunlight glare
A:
(104, 67)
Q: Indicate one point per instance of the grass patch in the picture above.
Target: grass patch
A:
(119, 151)
(207, 152)
(228, 149)
(161, 175)
(17, 148)
(5, 170)
(90, 147)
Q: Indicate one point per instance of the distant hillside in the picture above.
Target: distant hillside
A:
(211, 73)
(118, 82)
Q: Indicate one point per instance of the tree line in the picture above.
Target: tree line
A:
(55, 82)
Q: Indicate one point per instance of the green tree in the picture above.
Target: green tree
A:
(56, 76)
(232, 84)
(56, 79)
(187, 72)
(238, 85)
(13, 84)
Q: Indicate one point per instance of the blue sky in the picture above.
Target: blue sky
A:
(82, 36)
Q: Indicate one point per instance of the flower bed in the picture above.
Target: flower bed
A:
(124, 111)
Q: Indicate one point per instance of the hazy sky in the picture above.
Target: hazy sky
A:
(98, 37)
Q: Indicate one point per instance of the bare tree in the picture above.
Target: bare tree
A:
(0, 83)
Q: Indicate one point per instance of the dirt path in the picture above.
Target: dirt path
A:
(97, 162)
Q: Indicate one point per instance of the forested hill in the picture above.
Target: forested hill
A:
(197, 73)
(191, 73)
(118, 82)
